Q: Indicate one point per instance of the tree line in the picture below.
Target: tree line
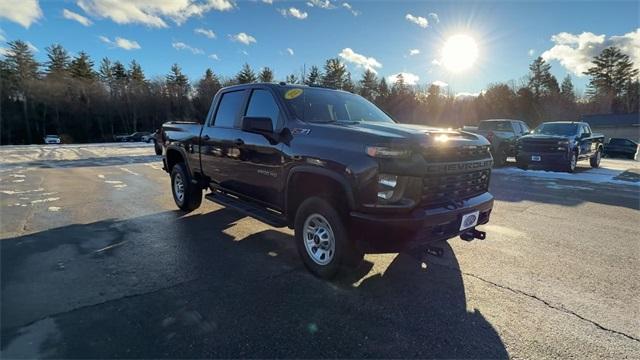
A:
(87, 102)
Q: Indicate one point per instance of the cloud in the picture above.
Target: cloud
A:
(440, 83)
(414, 52)
(122, 43)
(243, 38)
(360, 60)
(418, 20)
(436, 62)
(531, 52)
(182, 46)
(268, 1)
(293, 12)
(467, 95)
(348, 6)
(323, 4)
(70, 15)
(23, 12)
(290, 51)
(152, 13)
(214, 57)
(409, 78)
(205, 32)
(576, 51)
(435, 17)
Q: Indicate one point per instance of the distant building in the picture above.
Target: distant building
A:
(615, 125)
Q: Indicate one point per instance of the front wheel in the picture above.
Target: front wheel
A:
(595, 159)
(321, 238)
(187, 196)
(573, 162)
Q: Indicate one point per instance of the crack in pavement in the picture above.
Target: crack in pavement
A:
(559, 308)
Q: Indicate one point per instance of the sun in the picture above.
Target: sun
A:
(459, 53)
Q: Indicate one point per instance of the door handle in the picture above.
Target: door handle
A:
(205, 137)
(238, 142)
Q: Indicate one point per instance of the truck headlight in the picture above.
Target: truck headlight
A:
(387, 186)
(386, 152)
(563, 142)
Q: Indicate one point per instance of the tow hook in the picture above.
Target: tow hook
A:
(473, 234)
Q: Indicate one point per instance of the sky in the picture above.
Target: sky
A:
(462, 46)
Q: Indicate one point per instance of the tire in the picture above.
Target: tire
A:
(572, 163)
(157, 147)
(522, 165)
(186, 195)
(595, 159)
(500, 157)
(322, 238)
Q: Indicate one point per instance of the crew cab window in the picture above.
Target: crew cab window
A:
(586, 130)
(262, 104)
(618, 142)
(525, 128)
(228, 109)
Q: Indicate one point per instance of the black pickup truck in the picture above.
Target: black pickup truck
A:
(335, 168)
(559, 144)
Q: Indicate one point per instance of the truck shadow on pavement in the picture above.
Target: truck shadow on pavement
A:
(84, 162)
(172, 286)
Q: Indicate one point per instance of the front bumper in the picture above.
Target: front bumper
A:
(547, 159)
(395, 232)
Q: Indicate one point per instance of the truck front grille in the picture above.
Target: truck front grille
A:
(445, 188)
(541, 146)
(457, 153)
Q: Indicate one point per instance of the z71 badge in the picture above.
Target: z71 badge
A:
(300, 131)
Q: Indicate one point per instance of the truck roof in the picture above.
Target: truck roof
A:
(564, 122)
(280, 85)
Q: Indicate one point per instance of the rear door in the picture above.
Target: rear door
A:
(587, 145)
(261, 157)
(219, 150)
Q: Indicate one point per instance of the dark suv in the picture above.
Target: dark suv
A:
(332, 166)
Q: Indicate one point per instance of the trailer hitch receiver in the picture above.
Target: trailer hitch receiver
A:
(472, 234)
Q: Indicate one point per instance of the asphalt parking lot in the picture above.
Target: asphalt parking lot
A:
(97, 262)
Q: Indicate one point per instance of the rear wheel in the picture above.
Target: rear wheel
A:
(322, 240)
(500, 157)
(187, 196)
(595, 159)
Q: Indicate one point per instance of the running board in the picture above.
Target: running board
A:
(247, 208)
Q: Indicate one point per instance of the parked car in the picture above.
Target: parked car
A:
(136, 136)
(148, 137)
(332, 166)
(622, 147)
(52, 139)
(562, 144)
(502, 134)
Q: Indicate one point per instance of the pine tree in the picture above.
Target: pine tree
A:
(566, 89)
(136, 75)
(399, 86)
(58, 64)
(266, 75)
(383, 89)
(540, 78)
(291, 79)
(22, 71)
(610, 73)
(246, 75)
(369, 85)
(334, 74)
(314, 76)
(82, 67)
(206, 89)
(348, 84)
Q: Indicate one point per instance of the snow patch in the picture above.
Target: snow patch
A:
(45, 200)
(120, 186)
(129, 171)
(18, 181)
(54, 208)
(113, 181)
(101, 176)
(14, 192)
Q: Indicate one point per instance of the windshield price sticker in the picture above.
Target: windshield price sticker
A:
(292, 94)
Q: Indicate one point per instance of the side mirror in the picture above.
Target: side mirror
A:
(259, 125)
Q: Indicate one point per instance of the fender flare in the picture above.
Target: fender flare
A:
(308, 169)
(184, 156)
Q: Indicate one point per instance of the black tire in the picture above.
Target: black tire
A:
(500, 157)
(345, 253)
(522, 165)
(157, 147)
(191, 194)
(595, 159)
(572, 164)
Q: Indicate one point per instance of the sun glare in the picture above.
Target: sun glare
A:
(459, 53)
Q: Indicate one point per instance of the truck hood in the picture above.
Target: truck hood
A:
(415, 134)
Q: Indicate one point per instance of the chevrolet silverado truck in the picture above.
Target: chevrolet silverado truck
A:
(503, 135)
(559, 144)
(333, 167)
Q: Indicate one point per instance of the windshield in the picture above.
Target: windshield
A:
(323, 105)
(557, 129)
